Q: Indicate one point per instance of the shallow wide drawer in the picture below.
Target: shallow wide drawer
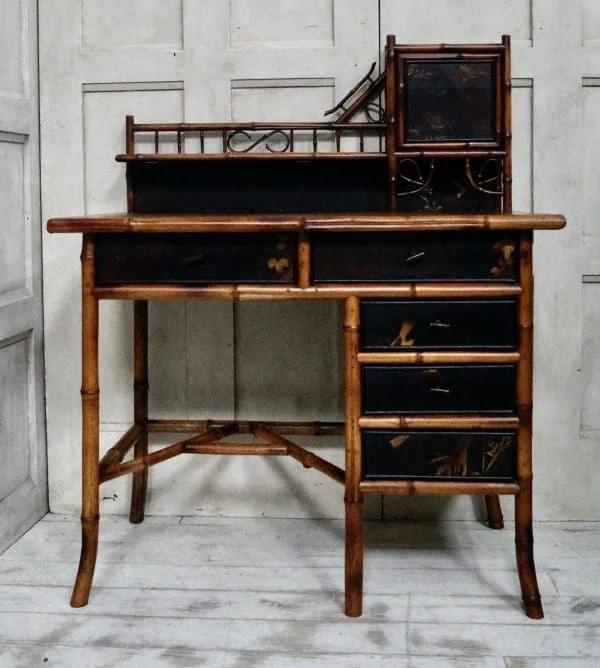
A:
(435, 454)
(440, 389)
(429, 325)
(403, 257)
(195, 258)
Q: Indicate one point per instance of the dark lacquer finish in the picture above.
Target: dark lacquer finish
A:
(195, 258)
(260, 186)
(441, 389)
(449, 100)
(397, 258)
(459, 455)
(433, 325)
(449, 185)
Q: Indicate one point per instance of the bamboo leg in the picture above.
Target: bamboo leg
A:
(354, 544)
(140, 389)
(524, 548)
(90, 396)
(494, 512)
(354, 558)
(524, 392)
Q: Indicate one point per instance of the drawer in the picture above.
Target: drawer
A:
(440, 389)
(406, 257)
(459, 455)
(195, 258)
(430, 325)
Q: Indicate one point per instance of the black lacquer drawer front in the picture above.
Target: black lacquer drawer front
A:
(403, 257)
(440, 389)
(195, 258)
(455, 455)
(432, 325)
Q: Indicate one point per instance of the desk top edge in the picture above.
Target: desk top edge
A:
(156, 223)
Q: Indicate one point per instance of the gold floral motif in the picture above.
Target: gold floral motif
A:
(456, 462)
(405, 331)
(278, 265)
(493, 451)
(504, 251)
(399, 440)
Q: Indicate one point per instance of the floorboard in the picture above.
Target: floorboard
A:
(268, 593)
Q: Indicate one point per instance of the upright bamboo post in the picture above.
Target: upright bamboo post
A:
(90, 399)
(506, 115)
(129, 150)
(524, 396)
(392, 107)
(140, 408)
(492, 503)
(353, 498)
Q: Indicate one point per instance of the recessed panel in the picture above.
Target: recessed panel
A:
(113, 24)
(522, 145)
(105, 190)
(12, 217)
(590, 358)
(11, 47)
(590, 168)
(260, 23)
(104, 137)
(590, 22)
(14, 417)
(434, 21)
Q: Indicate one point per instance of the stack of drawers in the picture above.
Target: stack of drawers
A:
(422, 386)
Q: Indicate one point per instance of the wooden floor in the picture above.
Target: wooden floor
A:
(268, 593)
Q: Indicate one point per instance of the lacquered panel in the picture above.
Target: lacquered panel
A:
(393, 389)
(433, 325)
(455, 455)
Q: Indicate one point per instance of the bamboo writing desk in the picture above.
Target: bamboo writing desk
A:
(406, 224)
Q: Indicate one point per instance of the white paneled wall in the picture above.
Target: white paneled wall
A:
(287, 59)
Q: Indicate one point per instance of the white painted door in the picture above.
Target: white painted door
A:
(23, 486)
(170, 60)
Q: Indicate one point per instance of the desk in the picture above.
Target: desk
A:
(441, 405)
(408, 220)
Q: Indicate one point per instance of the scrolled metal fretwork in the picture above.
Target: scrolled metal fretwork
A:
(367, 98)
(414, 179)
(250, 141)
(490, 172)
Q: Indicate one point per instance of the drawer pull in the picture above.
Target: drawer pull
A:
(195, 259)
(439, 390)
(440, 324)
(415, 256)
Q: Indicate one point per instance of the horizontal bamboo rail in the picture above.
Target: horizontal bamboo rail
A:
(394, 357)
(276, 156)
(438, 422)
(159, 223)
(270, 292)
(235, 449)
(411, 487)
(247, 427)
